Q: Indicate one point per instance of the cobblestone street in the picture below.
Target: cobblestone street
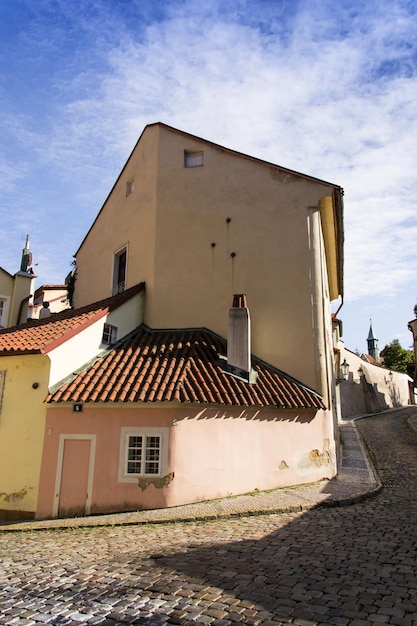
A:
(351, 565)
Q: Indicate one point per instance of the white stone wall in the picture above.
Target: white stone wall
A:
(372, 388)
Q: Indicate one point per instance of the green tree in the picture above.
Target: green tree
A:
(398, 358)
(415, 310)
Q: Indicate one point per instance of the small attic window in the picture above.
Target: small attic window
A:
(130, 187)
(193, 159)
(109, 334)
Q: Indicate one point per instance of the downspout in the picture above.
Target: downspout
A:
(19, 315)
(341, 304)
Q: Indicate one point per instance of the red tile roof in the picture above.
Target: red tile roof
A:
(41, 336)
(183, 366)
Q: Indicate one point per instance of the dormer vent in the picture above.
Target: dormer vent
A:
(239, 339)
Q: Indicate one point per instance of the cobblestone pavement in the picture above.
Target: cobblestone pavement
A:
(354, 565)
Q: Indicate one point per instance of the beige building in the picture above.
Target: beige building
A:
(197, 223)
(56, 297)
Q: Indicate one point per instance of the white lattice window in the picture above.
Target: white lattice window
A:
(109, 334)
(143, 452)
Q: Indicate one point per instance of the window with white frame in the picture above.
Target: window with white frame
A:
(109, 334)
(193, 158)
(119, 271)
(143, 452)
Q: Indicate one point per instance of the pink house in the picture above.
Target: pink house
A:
(168, 417)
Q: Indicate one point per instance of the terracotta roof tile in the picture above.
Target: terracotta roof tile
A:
(186, 366)
(41, 336)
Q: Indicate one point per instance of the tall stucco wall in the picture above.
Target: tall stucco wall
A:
(268, 231)
(124, 220)
(370, 388)
(198, 235)
(22, 421)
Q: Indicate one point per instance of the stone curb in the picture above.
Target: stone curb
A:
(374, 489)
(279, 510)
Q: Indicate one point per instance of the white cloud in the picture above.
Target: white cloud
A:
(325, 88)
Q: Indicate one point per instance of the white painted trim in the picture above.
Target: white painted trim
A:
(125, 431)
(58, 478)
(117, 253)
(107, 322)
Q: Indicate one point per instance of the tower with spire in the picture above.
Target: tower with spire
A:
(372, 344)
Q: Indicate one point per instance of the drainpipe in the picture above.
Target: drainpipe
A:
(19, 315)
(341, 304)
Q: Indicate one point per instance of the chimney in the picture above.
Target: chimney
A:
(238, 340)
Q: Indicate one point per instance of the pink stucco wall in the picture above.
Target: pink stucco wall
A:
(211, 453)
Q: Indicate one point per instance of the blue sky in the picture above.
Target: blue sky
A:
(324, 87)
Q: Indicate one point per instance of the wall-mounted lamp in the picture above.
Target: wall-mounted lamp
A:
(345, 369)
(388, 379)
(344, 372)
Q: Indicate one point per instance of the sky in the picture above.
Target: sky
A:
(324, 87)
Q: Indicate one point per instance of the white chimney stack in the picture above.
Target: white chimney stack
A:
(239, 340)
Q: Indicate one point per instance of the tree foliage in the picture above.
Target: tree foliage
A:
(398, 358)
